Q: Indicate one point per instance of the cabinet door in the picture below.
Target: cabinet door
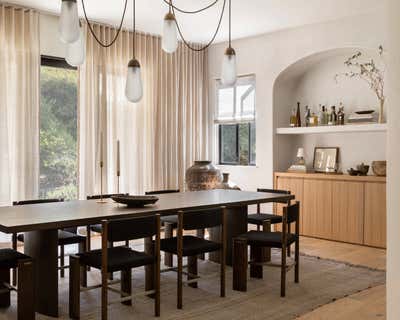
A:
(295, 186)
(348, 211)
(317, 208)
(375, 215)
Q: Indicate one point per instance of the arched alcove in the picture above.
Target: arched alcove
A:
(311, 81)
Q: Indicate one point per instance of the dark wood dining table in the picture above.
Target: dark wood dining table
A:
(40, 223)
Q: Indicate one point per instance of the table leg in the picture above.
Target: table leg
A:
(149, 269)
(236, 224)
(42, 246)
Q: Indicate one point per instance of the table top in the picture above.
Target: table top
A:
(84, 212)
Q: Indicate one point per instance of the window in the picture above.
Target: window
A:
(58, 129)
(235, 118)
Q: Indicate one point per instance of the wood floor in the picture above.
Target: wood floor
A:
(366, 305)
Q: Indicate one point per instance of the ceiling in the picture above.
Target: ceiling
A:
(249, 17)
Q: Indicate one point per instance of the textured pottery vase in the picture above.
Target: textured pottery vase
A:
(226, 184)
(203, 175)
(379, 168)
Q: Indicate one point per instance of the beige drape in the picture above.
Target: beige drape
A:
(19, 104)
(161, 135)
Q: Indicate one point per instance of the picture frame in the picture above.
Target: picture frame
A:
(326, 159)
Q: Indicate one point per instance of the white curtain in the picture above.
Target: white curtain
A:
(19, 104)
(161, 135)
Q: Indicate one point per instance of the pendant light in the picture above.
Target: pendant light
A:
(69, 21)
(170, 34)
(76, 52)
(134, 86)
(228, 74)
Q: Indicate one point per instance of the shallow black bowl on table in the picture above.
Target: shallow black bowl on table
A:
(135, 201)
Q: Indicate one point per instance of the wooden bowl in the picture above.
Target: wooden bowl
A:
(379, 168)
(135, 201)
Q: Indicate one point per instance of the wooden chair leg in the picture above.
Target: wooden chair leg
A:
(126, 285)
(15, 247)
(149, 269)
(62, 261)
(81, 249)
(240, 259)
(157, 286)
(88, 241)
(26, 290)
(4, 278)
(192, 270)
(168, 233)
(74, 287)
(256, 255)
(110, 275)
(179, 282)
(201, 234)
(283, 272)
(297, 261)
(104, 295)
(288, 247)
(222, 275)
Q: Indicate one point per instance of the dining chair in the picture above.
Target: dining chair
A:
(67, 236)
(120, 258)
(257, 240)
(191, 246)
(170, 223)
(12, 259)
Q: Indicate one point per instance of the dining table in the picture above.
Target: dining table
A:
(41, 222)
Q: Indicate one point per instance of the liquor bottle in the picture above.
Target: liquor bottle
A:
(307, 116)
(298, 116)
(293, 118)
(320, 115)
(332, 116)
(340, 115)
(325, 116)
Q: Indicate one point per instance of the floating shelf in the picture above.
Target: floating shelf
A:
(373, 127)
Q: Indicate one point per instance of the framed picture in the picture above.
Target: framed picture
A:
(326, 159)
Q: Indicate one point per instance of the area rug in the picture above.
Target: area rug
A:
(321, 282)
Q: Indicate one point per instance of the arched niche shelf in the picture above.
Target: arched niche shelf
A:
(311, 81)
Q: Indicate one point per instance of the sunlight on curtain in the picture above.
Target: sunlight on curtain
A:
(19, 104)
(161, 135)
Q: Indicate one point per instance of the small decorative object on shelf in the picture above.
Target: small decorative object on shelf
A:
(379, 168)
(362, 170)
(307, 116)
(313, 122)
(340, 115)
(300, 164)
(293, 119)
(298, 116)
(226, 184)
(326, 159)
(332, 117)
(203, 175)
(370, 73)
(362, 116)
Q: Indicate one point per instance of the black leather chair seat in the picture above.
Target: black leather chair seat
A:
(96, 228)
(64, 238)
(9, 258)
(267, 239)
(171, 220)
(191, 245)
(259, 218)
(119, 258)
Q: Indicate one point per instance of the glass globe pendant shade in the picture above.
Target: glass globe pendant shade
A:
(170, 34)
(69, 21)
(134, 86)
(76, 52)
(228, 75)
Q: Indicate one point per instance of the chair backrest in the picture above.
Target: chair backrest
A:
(162, 191)
(291, 214)
(131, 228)
(36, 201)
(276, 191)
(105, 196)
(201, 219)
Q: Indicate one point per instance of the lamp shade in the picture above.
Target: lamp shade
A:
(170, 34)
(228, 76)
(300, 153)
(69, 21)
(134, 86)
(76, 52)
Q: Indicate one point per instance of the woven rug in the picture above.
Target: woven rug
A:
(321, 282)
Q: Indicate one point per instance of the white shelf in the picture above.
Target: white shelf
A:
(373, 127)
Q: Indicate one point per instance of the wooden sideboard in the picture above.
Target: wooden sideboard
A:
(339, 207)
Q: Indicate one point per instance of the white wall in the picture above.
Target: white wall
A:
(50, 43)
(267, 56)
(393, 213)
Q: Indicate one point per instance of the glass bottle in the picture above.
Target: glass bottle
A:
(325, 116)
(313, 120)
(307, 116)
(298, 116)
(332, 116)
(340, 115)
(293, 118)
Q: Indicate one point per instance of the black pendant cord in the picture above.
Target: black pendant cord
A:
(94, 34)
(213, 37)
(192, 12)
(230, 20)
(134, 27)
